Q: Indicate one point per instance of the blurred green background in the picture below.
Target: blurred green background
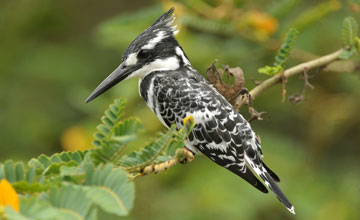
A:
(54, 53)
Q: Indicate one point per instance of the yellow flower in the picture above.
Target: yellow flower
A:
(8, 195)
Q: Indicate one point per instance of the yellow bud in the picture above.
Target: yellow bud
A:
(190, 117)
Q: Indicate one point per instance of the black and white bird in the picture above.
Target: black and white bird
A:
(173, 90)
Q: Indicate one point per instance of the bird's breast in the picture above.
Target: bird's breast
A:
(147, 91)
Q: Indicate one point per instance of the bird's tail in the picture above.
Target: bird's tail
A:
(266, 175)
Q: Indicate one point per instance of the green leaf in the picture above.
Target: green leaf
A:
(37, 165)
(19, 171)
(160, 149)
(107, 122)
(45, 165)
(9, 171)
(128, 126)
(71, 199)
(92, 214)
(44, 160)
(55, 168)
(103, 129)
(68, 202)
(357, 44)
(269, 70)
(282, 56)
(34, 208)
(71, 171)
(349, 31)
(110, 119)
(347, 54)
(12, 172)
(286, 47)
(110, 189)
(11, 214)
(148, 153)
(30, 175)
(2, 172)
(113, 134)
(108, 150)
(29, 188)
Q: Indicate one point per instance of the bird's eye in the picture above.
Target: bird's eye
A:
(143, 54)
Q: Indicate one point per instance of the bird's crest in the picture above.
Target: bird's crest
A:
(161, 29)
(165, 23)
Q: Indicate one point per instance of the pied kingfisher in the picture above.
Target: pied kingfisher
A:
(173, 90)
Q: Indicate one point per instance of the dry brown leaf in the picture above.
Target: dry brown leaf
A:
(227, 89)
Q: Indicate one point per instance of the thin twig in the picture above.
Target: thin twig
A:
(319, 62)
(183, 155)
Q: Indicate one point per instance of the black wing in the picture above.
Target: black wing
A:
(219, 130)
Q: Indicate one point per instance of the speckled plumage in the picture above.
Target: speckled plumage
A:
(221, 133)
(173, 90)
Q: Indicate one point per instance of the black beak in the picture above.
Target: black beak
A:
(116, 76)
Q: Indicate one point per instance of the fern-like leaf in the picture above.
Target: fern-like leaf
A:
(31, 208)
(15, 172)
(70, 198)
(45, 165)
(286, 47)
(110, 189)
(110, 119)
(33, 178)
(23, 179)
(161, 149)
(149, 153)
(283, 54)
(349, 31)
(270, 70)
(113, 134)
(63, 203)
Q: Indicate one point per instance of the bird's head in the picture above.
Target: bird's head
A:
(156, 49)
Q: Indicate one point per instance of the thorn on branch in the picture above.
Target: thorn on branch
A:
(256, 82)
(255, 115)
(305, 76)
(299, 96)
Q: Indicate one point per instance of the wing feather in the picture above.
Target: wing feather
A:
(215, 133)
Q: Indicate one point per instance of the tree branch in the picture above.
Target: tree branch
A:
(182, 155)
(319, 62)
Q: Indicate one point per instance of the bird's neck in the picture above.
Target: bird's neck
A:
(184, 61)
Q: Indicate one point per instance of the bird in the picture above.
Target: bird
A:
(174, 90)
